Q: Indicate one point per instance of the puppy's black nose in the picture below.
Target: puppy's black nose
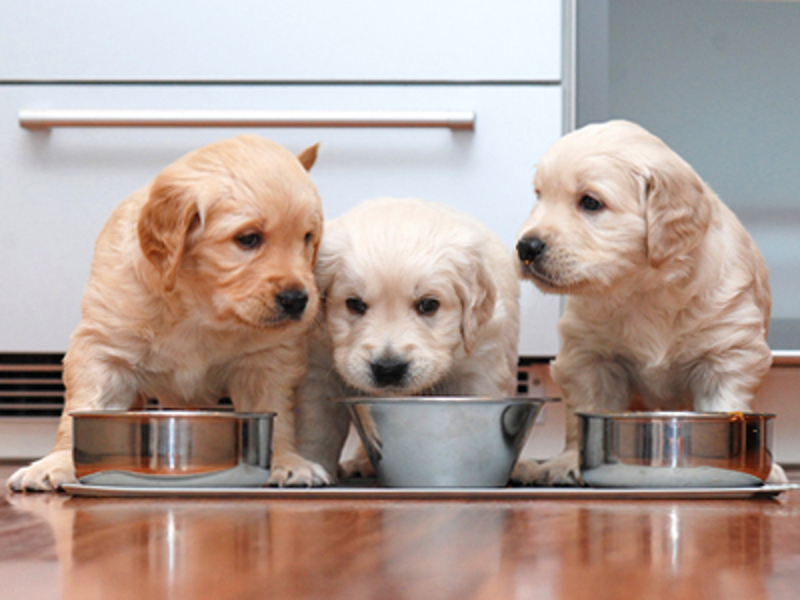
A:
(389, 371)
(293, 302)
(530, 248)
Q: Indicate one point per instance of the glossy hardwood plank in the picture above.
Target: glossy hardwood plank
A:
(54, 545)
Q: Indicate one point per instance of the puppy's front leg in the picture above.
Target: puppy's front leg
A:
(358, 466)
(263, 383)
(717, 388)
(92, 383)
(289, 468)
(323, 423)
(54, 470)
(589, 383)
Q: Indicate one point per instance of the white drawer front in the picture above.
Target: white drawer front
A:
(57, 187)
(301, 40)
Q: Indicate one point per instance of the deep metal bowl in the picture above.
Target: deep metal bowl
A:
(172, 443)
(443, 441)
(676, 449)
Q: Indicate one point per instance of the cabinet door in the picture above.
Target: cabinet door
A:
(301, 40)
(781, 385)
(58, 186)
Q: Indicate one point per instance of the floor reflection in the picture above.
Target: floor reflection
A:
(652, 549)
(449, 550)
(233, 548)
(119, 548)
(29, 567)
(229, 548)
(668, 538)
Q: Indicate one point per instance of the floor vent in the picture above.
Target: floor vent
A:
(31, 385)
(533, 378)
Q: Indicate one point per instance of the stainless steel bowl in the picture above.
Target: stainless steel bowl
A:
(676, 449)
(443, 441)
(172, 443)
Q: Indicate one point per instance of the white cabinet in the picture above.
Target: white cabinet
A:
(271, 41)
(58, 186)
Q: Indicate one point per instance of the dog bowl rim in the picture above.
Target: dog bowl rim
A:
(167, 414)
(677, 415)
(466, 400)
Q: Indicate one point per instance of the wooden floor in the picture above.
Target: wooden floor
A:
(54, 546)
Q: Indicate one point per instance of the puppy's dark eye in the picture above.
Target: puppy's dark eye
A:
(249, 241)
(590, 204)
(308, 238)
(356, 306)
(427, 307)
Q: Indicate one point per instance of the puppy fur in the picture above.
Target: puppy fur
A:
(201, 287)
(419, 299)
(668, 299)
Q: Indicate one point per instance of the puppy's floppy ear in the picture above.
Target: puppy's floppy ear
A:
(325, 272)
(677, 210)
(165, 220)
(308, 156)
(328, 261)
(477, 292)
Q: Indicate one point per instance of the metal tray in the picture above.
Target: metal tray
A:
(371, 491)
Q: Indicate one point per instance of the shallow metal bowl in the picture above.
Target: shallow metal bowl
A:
(676, 449)
(443, 441)
(173, 443)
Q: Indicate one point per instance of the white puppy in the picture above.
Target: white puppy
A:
(668, 303)
(419, 299)
(202, 286)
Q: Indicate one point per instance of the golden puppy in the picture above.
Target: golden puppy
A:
(201, 287)
(420, 299)
(668, 295)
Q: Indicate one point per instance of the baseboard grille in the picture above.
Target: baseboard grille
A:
(533, 378)
(31, 385)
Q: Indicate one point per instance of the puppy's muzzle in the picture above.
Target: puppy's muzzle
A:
(531, 250)
(388, 372)
(292, 302)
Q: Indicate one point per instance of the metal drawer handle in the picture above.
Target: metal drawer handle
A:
(785, 357)
(31, 118)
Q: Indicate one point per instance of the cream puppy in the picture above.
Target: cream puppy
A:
(201, 287)
(668, 300)
(420, 299)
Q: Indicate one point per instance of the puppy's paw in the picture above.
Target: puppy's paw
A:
(45, 475)
(563, 470)
(292, 470)
(777, 475)
(357, 467)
